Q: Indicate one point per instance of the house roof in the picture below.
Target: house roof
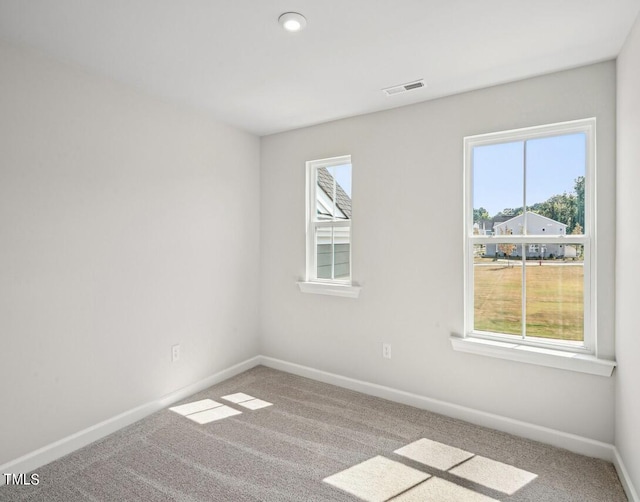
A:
(326, 182)
(503, 223)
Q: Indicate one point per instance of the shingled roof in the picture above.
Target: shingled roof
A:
(326, 181)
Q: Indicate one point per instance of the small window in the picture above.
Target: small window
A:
(529, 273)
(329, 220)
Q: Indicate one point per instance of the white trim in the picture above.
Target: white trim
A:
(541, 131)
(516, 351)
(529, 239)
(560, 439)
(331, 223)
(572, 442)
(64, 446)
(330, 288)
(587, 239)
(625, 479)
(312, 223)
(330, 162)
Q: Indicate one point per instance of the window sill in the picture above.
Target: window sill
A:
(571, 361)
(322, 288)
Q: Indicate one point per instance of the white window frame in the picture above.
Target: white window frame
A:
(577, 356)
(312, 283)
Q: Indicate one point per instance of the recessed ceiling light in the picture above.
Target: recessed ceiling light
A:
(292, 21)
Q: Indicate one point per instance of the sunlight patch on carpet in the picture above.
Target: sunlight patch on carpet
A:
(238, 397)
(440, 490)
(377, 479)
(495, 475)
(438, 455)
(196, 406)
(205, 411)
(205, 417)
(255, 404)
(247, 401)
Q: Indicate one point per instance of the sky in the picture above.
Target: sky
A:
(553, 164)
(342, 174)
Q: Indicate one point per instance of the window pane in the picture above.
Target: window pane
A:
(555, 184)
(342, 175)
(497, 184)
(333, 253)
(324, 194)
(497, 289)
(333, 192)
(555, 292)
(342, 253)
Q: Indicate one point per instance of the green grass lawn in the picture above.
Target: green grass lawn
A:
(555, 300)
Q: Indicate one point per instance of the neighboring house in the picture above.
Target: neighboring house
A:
(325, 197)
(536, 225)
(485, 227)
(339, 237)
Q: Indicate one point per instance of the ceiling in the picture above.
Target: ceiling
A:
(232, 58)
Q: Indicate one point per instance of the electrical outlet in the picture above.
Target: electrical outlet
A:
(386, 350)
(175, 353)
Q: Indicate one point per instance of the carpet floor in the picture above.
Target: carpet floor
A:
(266, 435)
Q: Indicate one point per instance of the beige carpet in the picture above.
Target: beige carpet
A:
(300, 440)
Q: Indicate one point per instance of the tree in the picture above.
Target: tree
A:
(560, 208)
(567, 208)
(509, 211)
(480, 214)
(506, 248)
(579, 189)
(577, 230)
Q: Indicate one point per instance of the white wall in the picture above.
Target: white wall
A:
(627, 260)
(407, 210)
(126, 225)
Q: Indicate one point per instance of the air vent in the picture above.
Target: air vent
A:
(399, 89)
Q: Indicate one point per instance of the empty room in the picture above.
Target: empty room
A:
(319, 251)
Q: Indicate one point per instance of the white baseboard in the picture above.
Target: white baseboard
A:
(64, 446)
(571, 442)
(623, 474)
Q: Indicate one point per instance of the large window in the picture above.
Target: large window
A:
(529, 235)
(329, 220)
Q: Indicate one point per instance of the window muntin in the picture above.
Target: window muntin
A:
(329, 220)
(528, 276)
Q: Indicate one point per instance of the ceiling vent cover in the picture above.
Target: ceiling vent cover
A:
(399, 89)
